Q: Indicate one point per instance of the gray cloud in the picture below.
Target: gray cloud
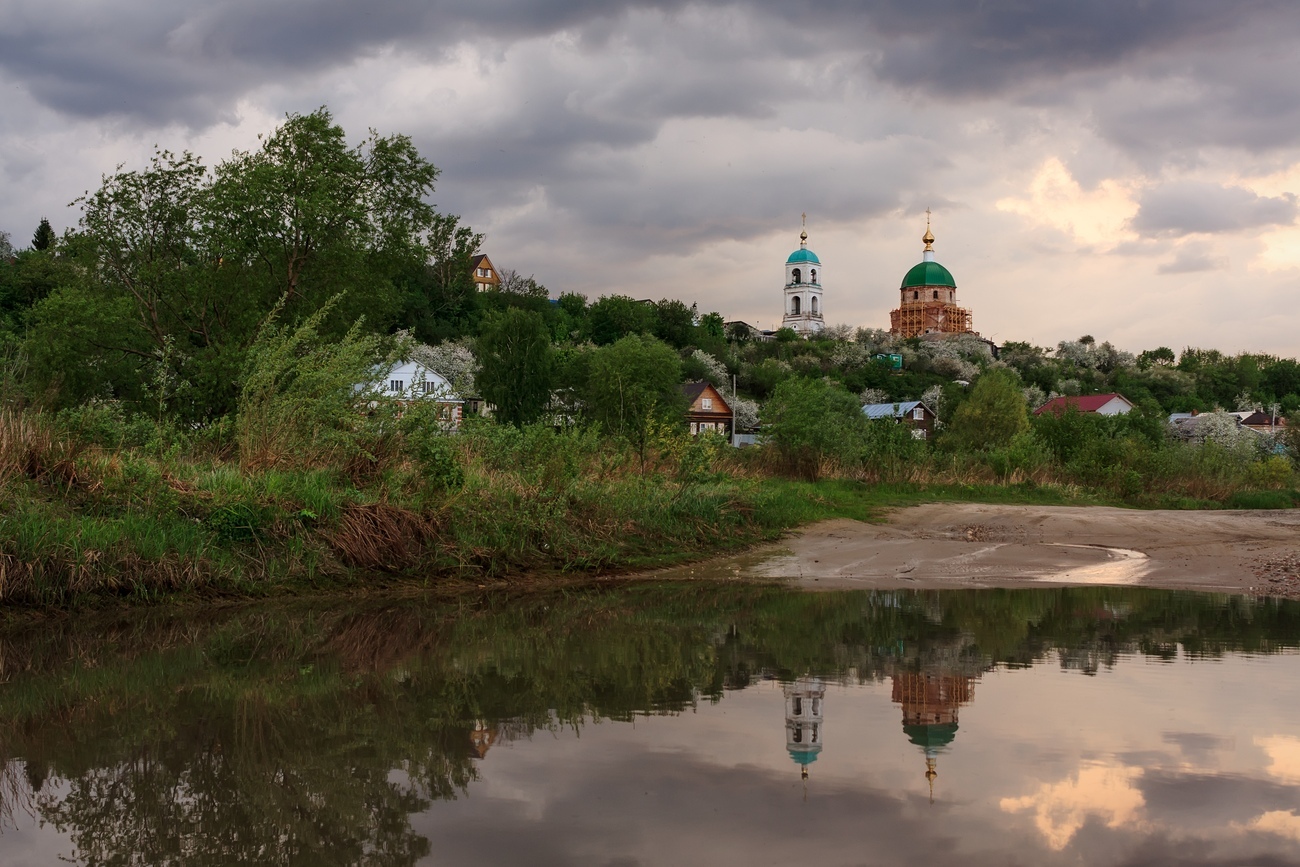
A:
(1192, 259)
(1190, 207)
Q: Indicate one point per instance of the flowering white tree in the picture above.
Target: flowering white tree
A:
(873, 395)
(715, 371)
(746, 411)
(453, 359)
(933, 399)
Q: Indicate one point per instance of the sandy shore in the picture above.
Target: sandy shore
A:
(970, 545)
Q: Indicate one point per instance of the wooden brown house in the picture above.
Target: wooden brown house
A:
(709, 410)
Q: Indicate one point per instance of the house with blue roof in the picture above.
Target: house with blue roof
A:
(913, 413)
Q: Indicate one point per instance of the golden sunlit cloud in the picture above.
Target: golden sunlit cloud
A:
(1060, 809)
(1284, 823)
(1098, 217)
(1281, 249)
(1284, 756)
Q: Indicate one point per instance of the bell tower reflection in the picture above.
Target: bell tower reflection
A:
(804, 721)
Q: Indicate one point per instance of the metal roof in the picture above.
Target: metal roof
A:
(890, 410)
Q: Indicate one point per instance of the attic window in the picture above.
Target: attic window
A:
(429, 387)
(706, 403)
(396, 385)
(918, 413)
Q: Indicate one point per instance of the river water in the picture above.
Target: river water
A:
(685, 723)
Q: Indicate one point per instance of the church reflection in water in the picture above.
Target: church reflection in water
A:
(804, 720)
(931, 684)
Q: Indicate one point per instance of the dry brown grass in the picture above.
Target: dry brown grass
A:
(30, 449)
(380, 536)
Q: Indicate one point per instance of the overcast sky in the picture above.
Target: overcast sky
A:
(1124, 169)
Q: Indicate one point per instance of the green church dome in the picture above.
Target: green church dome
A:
(803, 254)
(931, 737)
(928, 274)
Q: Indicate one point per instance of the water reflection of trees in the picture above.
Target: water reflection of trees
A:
(297, 735)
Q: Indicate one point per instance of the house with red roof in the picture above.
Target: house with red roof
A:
(1101, 404)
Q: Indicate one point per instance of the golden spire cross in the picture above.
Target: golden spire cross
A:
(928, 237)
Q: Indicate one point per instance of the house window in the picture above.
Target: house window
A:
(918, 414)
(706, 403)
(429, 387)
(395, 385)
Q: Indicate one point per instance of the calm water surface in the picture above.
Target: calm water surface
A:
(662, 724)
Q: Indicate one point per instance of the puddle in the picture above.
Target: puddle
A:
(1123, 567)
(663, 724)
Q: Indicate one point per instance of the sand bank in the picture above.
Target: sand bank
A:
(971, 545)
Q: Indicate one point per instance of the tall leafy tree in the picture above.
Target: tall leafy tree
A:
(183, 262)
(632, 385)
(614, 317)
(516, 365)
(993, 414)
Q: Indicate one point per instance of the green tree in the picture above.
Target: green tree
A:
(632, 386)
(993, 414)
(200, 258)
(43, 237)
(810, 422)
(517, 365)
(614, 317)
(675, 323)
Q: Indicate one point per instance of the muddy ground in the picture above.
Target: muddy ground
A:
(945, 545)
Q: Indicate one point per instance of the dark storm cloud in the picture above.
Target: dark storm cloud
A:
(177, 60)
(645, 804)
(1190, 207)
(1212, 799)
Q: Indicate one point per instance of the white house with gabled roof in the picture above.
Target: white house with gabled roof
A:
(409, 381)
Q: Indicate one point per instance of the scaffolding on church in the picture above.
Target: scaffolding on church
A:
(915, 318)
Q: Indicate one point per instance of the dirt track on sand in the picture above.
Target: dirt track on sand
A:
(944, 545)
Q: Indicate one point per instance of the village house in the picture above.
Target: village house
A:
(1101, 404)
(409, 381)
(708, 411)
(485, 273)
(912, 413)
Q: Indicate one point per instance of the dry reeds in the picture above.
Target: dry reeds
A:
(380, 536)
(30, 449)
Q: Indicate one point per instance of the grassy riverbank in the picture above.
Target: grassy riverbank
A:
(84, 521)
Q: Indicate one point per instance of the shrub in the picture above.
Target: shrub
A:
(307, 402)
(810, 421)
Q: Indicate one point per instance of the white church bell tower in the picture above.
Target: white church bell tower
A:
(803, 289)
